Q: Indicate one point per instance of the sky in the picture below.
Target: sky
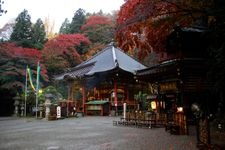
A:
(56, 10)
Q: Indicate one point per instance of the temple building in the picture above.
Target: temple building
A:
(180, 79)
(106, 81)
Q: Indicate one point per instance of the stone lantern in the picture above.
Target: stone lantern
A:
(16, 104)
(22, 109)
(47, 104)
(41, 108)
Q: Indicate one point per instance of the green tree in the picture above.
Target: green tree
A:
(77, 21)
(38, 34)
(57, 96)
(22, 30)
(65, 27)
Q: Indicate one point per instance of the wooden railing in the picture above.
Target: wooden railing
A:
(142, 119)
(177, 124)
(174, 123)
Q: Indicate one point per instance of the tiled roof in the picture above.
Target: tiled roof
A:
(106, 60)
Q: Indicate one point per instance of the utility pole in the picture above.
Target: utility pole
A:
(25, 103)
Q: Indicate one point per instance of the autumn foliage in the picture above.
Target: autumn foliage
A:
(13, 64)
(99, 29)
(96, 20)
(94, 49)
(143, 25)
(13, 51)
(60, 52)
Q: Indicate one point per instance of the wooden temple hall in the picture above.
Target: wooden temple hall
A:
(180, 79)
(106, 81)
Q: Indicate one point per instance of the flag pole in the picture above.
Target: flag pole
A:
(37, 88)
(25, 103)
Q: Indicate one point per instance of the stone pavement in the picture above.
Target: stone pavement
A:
(86, 133)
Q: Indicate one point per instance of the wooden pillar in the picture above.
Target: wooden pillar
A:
(109, 108)
(71, 93)
(83, 99)
(102, 110)
(68, 95)
(95, 93)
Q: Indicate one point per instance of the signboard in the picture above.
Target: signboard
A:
(58, 112)
(168, 86)
(94, 107)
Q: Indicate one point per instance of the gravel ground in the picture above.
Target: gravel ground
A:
(86, 133)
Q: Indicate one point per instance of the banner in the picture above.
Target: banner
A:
(30, 78)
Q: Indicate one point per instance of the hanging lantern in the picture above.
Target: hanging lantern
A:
(113, 94)
(153, 104)
(179, 109)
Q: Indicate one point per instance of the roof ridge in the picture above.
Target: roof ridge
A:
(98, 53)
(130, 56)
(114, 56)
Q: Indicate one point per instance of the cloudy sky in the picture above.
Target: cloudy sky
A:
(56, 10)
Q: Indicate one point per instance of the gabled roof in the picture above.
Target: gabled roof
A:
(106, 60)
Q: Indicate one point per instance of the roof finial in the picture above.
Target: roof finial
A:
(114, 56)
(112, 43)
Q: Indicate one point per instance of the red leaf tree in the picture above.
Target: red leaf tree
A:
(99, 29)
(95, 21)
(143, 25)
(60, 52)
(13, 64)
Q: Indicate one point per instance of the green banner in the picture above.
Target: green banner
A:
(30, 78)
